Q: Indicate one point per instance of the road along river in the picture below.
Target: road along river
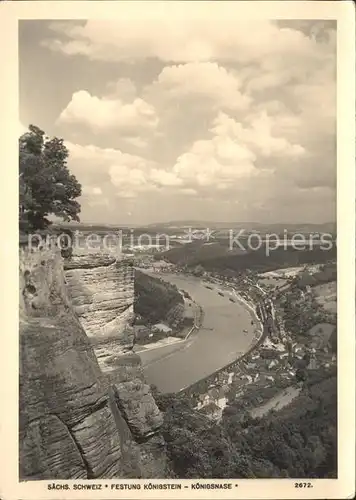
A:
(220, 341)
(282, 399)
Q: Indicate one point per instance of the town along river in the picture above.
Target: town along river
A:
(220, 341)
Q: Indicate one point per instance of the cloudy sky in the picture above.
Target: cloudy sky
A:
(193, 119)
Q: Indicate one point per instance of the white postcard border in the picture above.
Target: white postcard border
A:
(343, 12)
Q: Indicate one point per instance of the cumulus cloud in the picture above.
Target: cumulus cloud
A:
(109, 168)
(123, 89)
(126, 175)
(258, 136)
(164, 178)
(189, 191)
(130, 182)
(199, 81)
(91, 190)
(104, 113)
(180, 38)
(230, 154)
(243, 116)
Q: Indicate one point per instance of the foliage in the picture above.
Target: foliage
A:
(300, 315)
(297, 441)
(46, 185)
(326, 274)
(157, 300)
(220, 258)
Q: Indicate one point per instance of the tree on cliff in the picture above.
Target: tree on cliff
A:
(45, 184)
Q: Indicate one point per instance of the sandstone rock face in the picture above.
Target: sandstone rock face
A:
(102, 293)
(89, 261)
(136, 403)
(72, 421)
(41, 455)
(103, 298)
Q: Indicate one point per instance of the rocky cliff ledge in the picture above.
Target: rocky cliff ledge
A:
(101, 290)
(85, 410)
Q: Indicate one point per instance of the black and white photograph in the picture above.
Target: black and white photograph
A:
(177, 240)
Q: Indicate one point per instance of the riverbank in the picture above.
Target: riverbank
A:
(171, 340)
(248, 304)
(158, 345)
(228, 331)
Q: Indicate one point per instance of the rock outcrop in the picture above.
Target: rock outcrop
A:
(80, 418)
(102, 293)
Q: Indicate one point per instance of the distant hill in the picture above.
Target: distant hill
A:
(218, 257)
(220, 228)
(197, 252)
(278, 227)
(86, 226)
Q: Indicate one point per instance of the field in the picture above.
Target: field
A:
(271, 281)
(277, 402)
(279, 277)
(326, 296)
(321, 334)
(283, 273)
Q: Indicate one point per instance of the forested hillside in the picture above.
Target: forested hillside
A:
(218, 257)
(299, 441)
(157, 300)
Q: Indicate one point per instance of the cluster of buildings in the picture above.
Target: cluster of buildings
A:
(274, 362)
(149, 263)
(268, 366)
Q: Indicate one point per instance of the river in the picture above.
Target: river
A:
(220, 341)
